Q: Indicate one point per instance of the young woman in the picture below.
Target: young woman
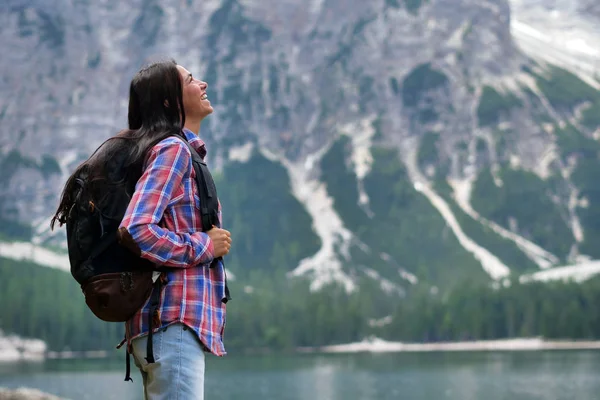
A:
(163, 226)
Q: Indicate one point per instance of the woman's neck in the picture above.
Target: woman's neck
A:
(192, 125)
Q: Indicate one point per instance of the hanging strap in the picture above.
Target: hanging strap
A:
(154, 303)
(128, 366)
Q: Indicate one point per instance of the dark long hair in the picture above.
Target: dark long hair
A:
(155, 113)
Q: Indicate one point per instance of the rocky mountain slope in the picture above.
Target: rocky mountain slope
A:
(394, 141)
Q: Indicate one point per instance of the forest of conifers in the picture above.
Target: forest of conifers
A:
(281, 314)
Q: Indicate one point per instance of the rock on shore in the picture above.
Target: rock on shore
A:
(25, 394)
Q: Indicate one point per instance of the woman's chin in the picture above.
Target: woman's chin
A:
(205, 111)
(205, 104)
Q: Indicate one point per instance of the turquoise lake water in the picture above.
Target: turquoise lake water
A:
(428, 376)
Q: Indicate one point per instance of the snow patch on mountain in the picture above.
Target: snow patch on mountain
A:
(462, 194)
(241, 153)
(325, 266)
(361, 133)
(24, 251)
(559, 36)
(578, 273)
(404, 274)
(386, 285)
(495, 268)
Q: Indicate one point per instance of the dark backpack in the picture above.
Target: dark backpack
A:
(115, 281)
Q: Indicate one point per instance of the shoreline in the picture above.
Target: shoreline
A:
(376, 345)
(79, 355)
(11, 356)
(368, 345)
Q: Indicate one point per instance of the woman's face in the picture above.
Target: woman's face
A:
(195, 100)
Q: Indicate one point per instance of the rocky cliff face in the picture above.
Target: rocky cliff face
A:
(399, 141)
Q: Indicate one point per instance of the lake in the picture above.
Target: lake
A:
(428, 376)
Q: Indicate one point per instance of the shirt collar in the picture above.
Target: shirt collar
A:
(197, 143)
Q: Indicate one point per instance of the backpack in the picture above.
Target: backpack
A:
(115, 281)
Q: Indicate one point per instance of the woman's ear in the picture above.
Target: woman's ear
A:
(166, 103)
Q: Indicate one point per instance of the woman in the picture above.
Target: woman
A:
(163, 223)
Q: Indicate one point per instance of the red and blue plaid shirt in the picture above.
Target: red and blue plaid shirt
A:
(163, 218)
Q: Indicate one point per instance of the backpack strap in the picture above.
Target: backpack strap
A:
(152, 314)
(207, 191)
(209, 201)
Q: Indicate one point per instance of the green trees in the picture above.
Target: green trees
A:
(528, 201)
(493, 106)
(271, 312)
(554, 310)
(47, 304)
(257, 201)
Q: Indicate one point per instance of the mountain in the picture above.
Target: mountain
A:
(394, 142)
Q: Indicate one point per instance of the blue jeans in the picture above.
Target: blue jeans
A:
(178, 373)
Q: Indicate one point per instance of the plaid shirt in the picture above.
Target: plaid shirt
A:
(163, 218)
